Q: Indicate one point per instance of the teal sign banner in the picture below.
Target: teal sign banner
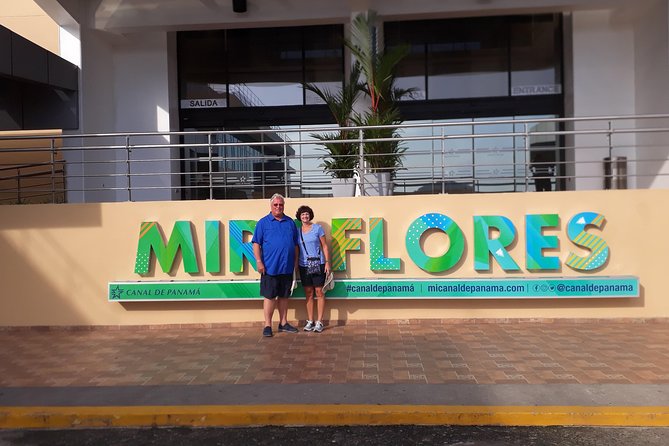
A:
(521, 288)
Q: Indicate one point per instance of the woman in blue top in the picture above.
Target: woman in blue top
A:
(313, 245)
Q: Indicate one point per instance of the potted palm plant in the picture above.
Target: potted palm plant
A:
(341, 159)
(383, 152)
(382, 158)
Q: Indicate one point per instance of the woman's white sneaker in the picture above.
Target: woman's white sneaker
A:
(319, 327)
(310, 326)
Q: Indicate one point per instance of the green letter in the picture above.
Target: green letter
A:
(578, 235)
(213, 241)
(341, 244)
(484, 246)
(377, 261)
(536, 242)
(238, 249)
(456, 243)
(151, 239)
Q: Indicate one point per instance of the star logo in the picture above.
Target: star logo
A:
(115, 293)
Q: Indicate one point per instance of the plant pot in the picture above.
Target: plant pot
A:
(343, 187)
(377, 184)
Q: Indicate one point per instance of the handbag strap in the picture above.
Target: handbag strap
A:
(305, 246)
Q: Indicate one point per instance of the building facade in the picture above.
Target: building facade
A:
(179, 66)
(157, 67)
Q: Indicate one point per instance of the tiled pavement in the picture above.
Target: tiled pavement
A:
(594, 372)
(588, 352)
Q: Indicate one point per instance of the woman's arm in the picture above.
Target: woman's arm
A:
(326, 253)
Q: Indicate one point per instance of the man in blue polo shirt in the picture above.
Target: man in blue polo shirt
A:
(276, 249)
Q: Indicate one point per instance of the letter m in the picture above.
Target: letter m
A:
(151, 240)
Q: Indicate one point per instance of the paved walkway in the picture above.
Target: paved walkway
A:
(445, 367)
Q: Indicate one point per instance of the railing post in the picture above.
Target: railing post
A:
(262, 178)
(609, 140)
(475, 181)
(527, 158)
(225, 151)
(127, 162)
(211, 175)
(285, 167)
(615, 168)
(301, 164)
(18, 186)
(361, 162)
(53, 172)
(443, 160)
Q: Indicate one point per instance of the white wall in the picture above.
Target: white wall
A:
(652, 91)
(603, 85)
(124, 88)
(70, 44)
(96, 115)
(142, 85)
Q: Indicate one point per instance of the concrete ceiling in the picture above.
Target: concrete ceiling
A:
(126, 16)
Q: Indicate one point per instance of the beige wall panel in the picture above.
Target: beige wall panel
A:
(39, 29)
(58, 259)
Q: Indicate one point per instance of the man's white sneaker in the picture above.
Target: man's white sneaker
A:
(319, 327)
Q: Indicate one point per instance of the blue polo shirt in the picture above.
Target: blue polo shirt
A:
(278, 239)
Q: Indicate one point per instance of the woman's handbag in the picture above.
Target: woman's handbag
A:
(313, 263)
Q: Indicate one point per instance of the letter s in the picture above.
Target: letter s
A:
(576, 231)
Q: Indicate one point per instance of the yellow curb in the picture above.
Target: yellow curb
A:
(328, 414)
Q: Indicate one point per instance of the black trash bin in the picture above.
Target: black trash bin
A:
(615, 172)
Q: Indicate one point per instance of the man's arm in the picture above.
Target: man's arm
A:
(257, 253)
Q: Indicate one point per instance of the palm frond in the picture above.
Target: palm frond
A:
(382, 156)
(342, 101)
(378, 68)
(342, 157)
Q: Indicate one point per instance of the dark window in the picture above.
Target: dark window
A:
(202, 65)
(323, 61)
(265, 67)
(411, 72)
(480, 57)
(535, 55)
(260, 67)
(468, 60)
(5, 51)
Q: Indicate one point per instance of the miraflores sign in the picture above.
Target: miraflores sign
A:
(151, 244)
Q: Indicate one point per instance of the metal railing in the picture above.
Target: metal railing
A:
(503, 155)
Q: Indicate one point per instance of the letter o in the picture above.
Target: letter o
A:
(447, 260)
